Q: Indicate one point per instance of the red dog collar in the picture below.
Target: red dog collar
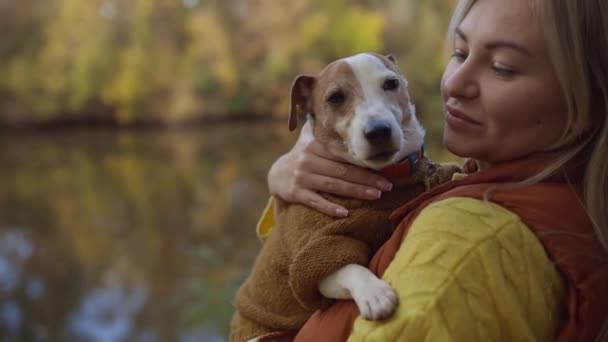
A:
(404, 167)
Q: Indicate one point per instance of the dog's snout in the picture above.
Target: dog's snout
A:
(378, 131)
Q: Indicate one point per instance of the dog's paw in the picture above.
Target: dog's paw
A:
(376, 300)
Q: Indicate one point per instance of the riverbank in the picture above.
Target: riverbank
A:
(90, 123)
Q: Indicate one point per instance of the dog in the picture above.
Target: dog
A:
(360, 111)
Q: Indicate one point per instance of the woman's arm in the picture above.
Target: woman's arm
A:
(307, 168)
(470, 270)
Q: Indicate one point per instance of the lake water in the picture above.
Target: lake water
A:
(130, 236)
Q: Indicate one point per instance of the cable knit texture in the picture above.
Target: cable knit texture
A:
(306, 246)
(475, 273)
(467, 268)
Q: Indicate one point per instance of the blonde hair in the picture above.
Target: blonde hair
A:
(576, 34)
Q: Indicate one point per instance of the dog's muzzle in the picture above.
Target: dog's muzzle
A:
(379, 135)
(378, 132)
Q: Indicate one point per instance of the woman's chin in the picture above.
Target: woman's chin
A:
(463, 148)
(454, 143)
(458, 152)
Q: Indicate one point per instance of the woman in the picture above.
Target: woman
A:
(517, 249)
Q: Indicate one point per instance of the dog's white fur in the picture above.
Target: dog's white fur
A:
(374, 297)
(370, 72)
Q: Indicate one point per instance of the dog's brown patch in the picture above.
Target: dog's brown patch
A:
(332, 121)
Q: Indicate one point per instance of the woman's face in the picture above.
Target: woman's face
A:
(502, 99)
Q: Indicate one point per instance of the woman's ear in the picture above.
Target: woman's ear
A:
(301, 98)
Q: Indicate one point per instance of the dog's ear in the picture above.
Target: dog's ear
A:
(301, 97)
(391, 58)
(394, 61)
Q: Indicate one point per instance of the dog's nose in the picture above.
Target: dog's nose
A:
(377, 131)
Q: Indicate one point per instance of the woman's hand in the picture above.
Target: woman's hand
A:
(297, 176)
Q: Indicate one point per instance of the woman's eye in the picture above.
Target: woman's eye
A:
(502, 71)
(391, 84)
(459, 55)
(336, 98)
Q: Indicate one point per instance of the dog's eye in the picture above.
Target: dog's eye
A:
(336, 98)
(391, 84)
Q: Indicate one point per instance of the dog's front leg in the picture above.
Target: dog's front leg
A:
(374, 297)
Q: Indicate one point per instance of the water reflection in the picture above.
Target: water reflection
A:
(107, 314)
(129, 236)
(15, 250)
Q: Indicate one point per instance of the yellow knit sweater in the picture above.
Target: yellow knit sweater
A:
(467, 271)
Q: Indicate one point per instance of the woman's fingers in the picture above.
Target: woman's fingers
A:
(317, 202)
(340, 187)
(315, 160)
(298, 176)
(354, 175)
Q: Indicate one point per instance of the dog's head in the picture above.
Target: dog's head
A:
(360, 110)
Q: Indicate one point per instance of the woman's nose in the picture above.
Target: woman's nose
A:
(461, 82)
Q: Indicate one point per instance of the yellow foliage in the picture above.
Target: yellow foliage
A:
(127, 87)
(210, 49)
(356, 31)
(69, 66)
(158, 59)
(312, 29)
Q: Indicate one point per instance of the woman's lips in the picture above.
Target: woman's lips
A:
(458, 119)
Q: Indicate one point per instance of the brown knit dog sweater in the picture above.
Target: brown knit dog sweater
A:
(306, 246)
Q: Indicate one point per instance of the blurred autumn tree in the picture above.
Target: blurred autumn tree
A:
(169, 61)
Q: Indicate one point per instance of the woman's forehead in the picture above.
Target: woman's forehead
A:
(505, 21)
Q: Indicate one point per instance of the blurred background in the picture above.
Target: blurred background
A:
(135, 138)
